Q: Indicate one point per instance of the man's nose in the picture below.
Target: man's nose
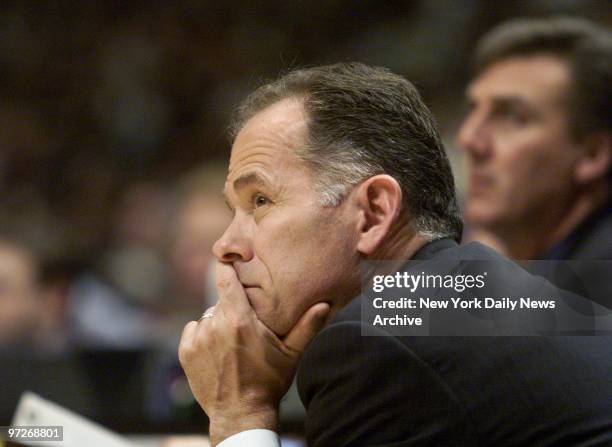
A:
(234, 244)
(474, 137)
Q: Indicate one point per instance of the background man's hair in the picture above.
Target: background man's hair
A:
(364, 121)
(585, 47)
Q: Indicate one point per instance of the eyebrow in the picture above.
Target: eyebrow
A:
(511, 101)
(245, 180)
(500, 99)
(249, 179)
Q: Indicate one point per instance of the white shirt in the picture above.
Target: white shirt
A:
(253, 438)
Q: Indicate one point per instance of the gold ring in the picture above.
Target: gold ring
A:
(204, 316)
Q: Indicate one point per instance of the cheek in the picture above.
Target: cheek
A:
(513, 167)
(280, 268)
(260, 302)
(322, 261)
(523, 160)
(534, 171)
(305, 264)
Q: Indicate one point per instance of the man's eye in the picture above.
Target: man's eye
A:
(259, 200)
(511, 115)
(469, 107)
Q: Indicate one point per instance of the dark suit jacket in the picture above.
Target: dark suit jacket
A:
(592, 239)
(584, 259)
(454, 391)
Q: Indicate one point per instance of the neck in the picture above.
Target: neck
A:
(528, 240)
(402, 243)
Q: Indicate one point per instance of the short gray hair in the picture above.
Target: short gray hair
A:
(364, 121)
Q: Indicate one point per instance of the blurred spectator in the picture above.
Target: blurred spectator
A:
(200, 219)
(32, 306)
(19, 307)
(114, 304)
(538, 136)
(134, 261)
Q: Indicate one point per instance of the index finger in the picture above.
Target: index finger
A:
(232, 297)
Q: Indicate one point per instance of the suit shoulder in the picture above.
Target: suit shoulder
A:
(363, 387)
(597, 243)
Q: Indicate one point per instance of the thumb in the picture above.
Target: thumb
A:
(307, 327)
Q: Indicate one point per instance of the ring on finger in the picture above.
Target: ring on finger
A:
(205, 316)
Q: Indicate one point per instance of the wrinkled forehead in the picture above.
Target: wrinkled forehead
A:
(285, 119)
(271, 138)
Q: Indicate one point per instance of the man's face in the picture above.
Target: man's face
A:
(288, 251)
(200, 221)
(19, 309)
(519, 150)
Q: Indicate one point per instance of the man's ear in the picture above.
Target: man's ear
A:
(379, 200)
(594, 162)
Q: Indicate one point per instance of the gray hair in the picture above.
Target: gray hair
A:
(363, 121)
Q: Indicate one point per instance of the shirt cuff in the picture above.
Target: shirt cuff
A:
(253, 438)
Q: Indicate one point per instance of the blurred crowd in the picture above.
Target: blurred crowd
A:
(151, 277)
(113, 148)
(113, 317)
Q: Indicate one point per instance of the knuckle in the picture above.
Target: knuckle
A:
(184, 355)
(223, 283)
(241, 327)
(210, 310)
(185, 329)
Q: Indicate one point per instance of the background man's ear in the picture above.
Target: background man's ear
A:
(596, 160)
(379, 199)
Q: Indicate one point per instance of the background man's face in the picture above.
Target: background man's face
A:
(517, 141)
(19, 307)
(199, 223)
(288, 251)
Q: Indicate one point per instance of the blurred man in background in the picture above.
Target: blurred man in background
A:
(32, 303)
(200, 218)
(113, 303)
(19, 312)
(538, 139)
